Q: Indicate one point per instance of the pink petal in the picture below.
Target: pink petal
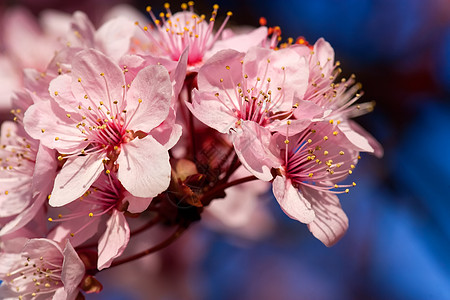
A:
(114, 241)
(215, 69)
(72, 269)
(144, 168)
(240, 42)
(113, 37)
(331, 222)
(359, 142)
(252, 145)
(86, 31)
(287, 69)
(40, 122)
(149, 98)
(17, 198)
(168, 133)
(44, 171)
(179, 74)
(136, 204)
(291, 201)
(75, 178)
(87, 67)
(378, 149)
(212, 112)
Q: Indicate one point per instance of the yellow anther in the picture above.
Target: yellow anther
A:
(60, 158)
(286, 141)
(336, 186)
(102, 74)
(354, 183)
(108, 172)
(359, 157)
(227, 67)
(148, 8)
(309, 141)
(352, 166)
(347, 190)
(68, 115)
(216, 6)
(50, 219)
(140, 100)
(331, 121)
(341, 152)
(221, 79)
(79, 79)
(42, 130)
(101, 102)
(166, 5)
(91, 215)
(183, 6)
(145, 28)
(289, 122)
(229, 13)
(72, 234)
(325, 138)
(310, 174)
(56, 93)
(350, 171)
(56, 138)
(325, 152)
(335, 133)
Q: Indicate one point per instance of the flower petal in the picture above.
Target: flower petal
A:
(144, 168)
(252, 145)
(331, 222)
(75, 178)
(291, 201)
(114, 241)
(94, 75)
(149, 98)
(72, 269)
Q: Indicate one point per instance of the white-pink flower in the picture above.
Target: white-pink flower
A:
(104, 203)
(251, 94)
(313, 163)
(336, 97)
(98, 122)
(172, 34)
(40, 269)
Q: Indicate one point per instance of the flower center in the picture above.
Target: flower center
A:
(176, 32)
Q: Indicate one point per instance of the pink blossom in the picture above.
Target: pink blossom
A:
(96, 121)
(104, 203)
(27, 170)
(337, 98)
(40, 269)
(251, 94)
(172, 34)
(314, 162)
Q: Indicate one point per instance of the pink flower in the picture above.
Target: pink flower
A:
(182, 30)
(80, 219)
(26, 178)
(173, 34)
(337, 98)
(314, 162)
(96, 121)
(40, 269)
(251, 95)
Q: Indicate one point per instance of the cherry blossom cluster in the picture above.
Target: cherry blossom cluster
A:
(165, 121)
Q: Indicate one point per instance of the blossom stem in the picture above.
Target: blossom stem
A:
(158, 247)
(209, 195)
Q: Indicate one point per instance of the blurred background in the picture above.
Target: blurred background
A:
(398, 242)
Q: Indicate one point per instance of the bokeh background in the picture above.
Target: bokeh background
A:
(398, 242)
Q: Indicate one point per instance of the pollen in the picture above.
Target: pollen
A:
(56, 93)
(56, 138)
(42, 130)
(341, 152)
(91, 215)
